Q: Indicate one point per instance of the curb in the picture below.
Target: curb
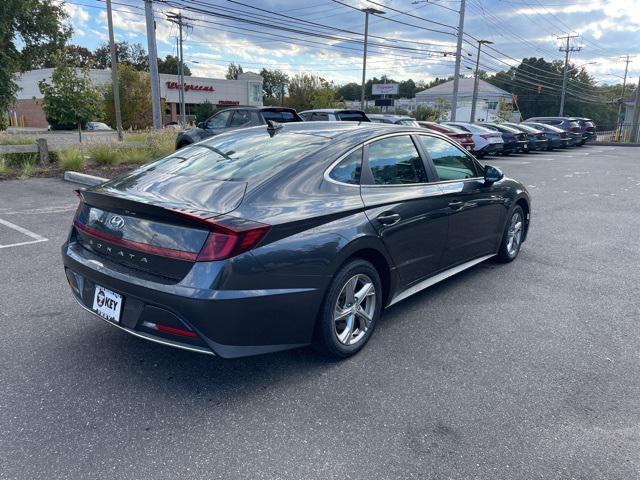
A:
(615, 144)
(83, 178)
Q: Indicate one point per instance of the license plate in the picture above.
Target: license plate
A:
(107, 304)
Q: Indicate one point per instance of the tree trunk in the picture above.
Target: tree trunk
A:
(80, 131)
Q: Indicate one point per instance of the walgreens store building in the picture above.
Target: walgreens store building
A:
(246, 90)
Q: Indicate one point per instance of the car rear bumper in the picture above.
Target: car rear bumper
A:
(227, 323)
(490, 148)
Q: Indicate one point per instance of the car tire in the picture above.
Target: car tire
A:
(512, 236)
(350, 310)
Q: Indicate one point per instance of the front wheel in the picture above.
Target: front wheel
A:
(350, 311)
(512, 237)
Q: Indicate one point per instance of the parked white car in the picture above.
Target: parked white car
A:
(486, 141)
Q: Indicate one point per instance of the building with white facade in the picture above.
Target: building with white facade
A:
(246, 90)
(489, 96)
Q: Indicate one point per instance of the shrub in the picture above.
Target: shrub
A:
(71, 159)
(8, 139)
(104, 154)
(4, 169)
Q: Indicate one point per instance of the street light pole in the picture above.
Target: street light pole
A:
(114, 73)
(366, 11)
(456, 74)
(476, 80)
(153, 65)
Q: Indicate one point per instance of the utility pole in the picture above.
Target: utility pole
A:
(624, 85)
(366, 11)
(114, 73)
(153, 65)
(456, 73)
(567, 51)
(474, 99)
(635, 128)
(179, 20)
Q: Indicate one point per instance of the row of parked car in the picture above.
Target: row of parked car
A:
(538, 133)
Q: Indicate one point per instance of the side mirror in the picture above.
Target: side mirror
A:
(202, 125)
(492, 174)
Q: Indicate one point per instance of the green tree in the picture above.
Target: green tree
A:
(274, 83)
(135, 99)
(233, 71)
(311, 91)
(170, 65)
(204, 111)
(407, 89)
(349, 91)
(132, 54)
(70, 98)
(30, 30)
(426, 113)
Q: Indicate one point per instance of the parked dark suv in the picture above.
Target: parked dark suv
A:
(269, 238)
(234, 118)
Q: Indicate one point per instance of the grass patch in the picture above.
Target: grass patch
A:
(16, 160)
(27, 169)
(136, 136)
(104, 154)
(161, 143)
(7, 139)
(135, 155)
(71, 159)
(4, 169)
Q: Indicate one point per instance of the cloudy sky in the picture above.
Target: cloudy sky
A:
(412, 39)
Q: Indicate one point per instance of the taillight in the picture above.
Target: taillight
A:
(228, 236)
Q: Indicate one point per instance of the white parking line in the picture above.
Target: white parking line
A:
(36, 238)
(36, 211)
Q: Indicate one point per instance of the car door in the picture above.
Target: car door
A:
(476, 208)
(407, 211)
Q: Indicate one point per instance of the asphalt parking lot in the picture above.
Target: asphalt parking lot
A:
(520, 371)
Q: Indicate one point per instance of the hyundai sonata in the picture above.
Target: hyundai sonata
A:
(276, 237)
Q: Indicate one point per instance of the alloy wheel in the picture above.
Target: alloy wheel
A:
(354, 309)
(514, 234)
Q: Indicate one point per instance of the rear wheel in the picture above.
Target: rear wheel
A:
(512, 237)
(350, 310)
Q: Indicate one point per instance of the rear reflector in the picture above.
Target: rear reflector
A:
(171, 330)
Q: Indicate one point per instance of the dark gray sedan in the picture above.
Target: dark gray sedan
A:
(271, 238)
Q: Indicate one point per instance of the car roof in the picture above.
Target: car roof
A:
(332, 110)
(390, 116)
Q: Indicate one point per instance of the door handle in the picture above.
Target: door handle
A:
(457, 205)
(388, 218)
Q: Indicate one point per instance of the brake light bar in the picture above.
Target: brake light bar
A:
(171, 330)
(138, 246)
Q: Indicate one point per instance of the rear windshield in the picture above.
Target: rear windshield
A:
(239, 155)
(280, 116)
(352, 116)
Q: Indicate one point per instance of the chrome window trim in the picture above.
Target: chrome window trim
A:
(395, 134)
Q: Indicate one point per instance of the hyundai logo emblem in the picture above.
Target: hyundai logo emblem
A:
(116, 222)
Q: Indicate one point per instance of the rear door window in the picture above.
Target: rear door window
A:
(396, 161)
(450, 162)
(348, 170)
(352, 116)
(240, 118)
(280, 116)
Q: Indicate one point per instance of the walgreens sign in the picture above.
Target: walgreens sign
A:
(189, 86)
